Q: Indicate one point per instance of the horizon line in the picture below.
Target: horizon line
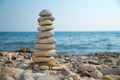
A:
(70, 31)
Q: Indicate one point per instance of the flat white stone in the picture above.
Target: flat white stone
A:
(43, 59)
(44, 46)
(45, 28)
(46, 40)
(44, 53)
(45, 34)
(45, 22)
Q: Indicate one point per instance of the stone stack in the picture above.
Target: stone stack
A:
(45, 46)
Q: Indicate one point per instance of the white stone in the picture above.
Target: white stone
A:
(45, 22)
(46, 77)
(45, 34)
(44, 46)
(45, 28)
(96, 74)
(44, 53)
(86, 67)
(43, 59)
(46, 41)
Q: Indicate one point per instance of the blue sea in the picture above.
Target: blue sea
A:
(76, 43)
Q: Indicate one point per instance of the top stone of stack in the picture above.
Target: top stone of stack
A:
(45, 12)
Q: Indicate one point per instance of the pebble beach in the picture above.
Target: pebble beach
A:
(19, 66)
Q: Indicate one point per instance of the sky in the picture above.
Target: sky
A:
(70, 15)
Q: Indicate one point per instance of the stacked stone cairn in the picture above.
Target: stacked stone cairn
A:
(45, 46)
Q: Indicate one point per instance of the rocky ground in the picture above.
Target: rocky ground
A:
(19, 66)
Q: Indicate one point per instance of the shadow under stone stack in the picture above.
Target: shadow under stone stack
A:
(45, 46)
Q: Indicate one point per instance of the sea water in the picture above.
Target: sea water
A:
(76, 43)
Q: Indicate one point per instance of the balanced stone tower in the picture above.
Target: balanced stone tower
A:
(45, 46)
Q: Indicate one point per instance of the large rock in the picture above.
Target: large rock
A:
(86, 67)
(44, 46)
(108, 71)
(46, 41)
(43, 59)
(46, 18)
(44, 53)
(45, 12)
(45, 28)
(45, 34)
(45, 22)
(96, 74)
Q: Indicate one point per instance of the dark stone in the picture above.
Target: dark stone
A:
(85, 74)
(24, 50)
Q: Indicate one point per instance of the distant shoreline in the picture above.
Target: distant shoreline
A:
(61, 31)
(69, 54)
